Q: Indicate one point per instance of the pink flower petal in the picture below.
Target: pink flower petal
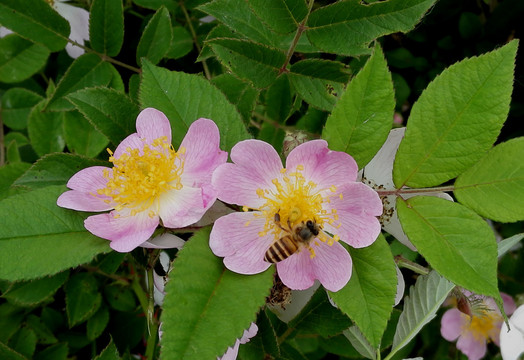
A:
(179, 208)
(451, 324)
(331, 265)
(240, 244)
(256, 164)
(133, 141)
(203, 154)
(80, 201)
(126, 232)
(474, 349)
(509, 303)
(321, 165)
(89, 180)
(357, 211)
(152, 124)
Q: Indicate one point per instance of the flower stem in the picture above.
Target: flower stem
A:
(152, 325)
(405, 263)
(301, 28)
(414, 191)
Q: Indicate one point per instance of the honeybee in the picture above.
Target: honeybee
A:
(295, 237)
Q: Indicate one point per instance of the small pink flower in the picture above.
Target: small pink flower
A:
(480, 325)
(317, 185)
(149, 182)
(232, 352)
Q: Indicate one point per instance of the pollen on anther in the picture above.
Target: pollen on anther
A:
(300, 167)
(245, 208)
(333, 188)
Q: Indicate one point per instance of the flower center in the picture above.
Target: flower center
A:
(297, 201)
(482, 324)
(139, 177)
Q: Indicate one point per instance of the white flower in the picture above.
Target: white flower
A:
(512, 341)
(378, 174)
(232, 352)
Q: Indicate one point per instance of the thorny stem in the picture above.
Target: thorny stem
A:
(301, 28)
(405, 263)
(195, 38)
(414, 191)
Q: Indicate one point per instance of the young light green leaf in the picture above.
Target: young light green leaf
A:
(181, 43)
(30, 293)
(82, 298)
(420, 307)
(456, 119)
(347, 27)
(111, 112)
(81, 137)
(156, 38)
(505, 245)
(283, 16)
(20, 59)
(87, 71)
(239, 93)
(46, 130)
(106, 26)
(238, 16)
(35, 20)
(251, 61)
(180, 95)
(373, 273)
(53, 241)
(16, 105)
(197, 303)
(456, 242)
(360, 343)
(55, 169)
(319, 82)
(362, 118)
(494, 187)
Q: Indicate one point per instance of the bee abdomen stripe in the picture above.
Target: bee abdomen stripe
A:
(280, 250)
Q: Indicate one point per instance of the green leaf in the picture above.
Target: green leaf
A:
(30, 293)
(120, 298)
(239, 93)
(16, 105)
(457, 243)
(181, 43)
(82, 298)
(420, 307)
(24, 342)
(347, 27)
(360, 343)
(494, 187)
(8, 174)
(257, 63)
(157, 4)
(319, 82)
(362, 118)
(156, 38)
(55, 352)
(279, 99)
(55, 169)
(11, 317)
(283, 16)
(35, 20)
(456, 119)
(87, 71)
(505, 245)
(319, 317)
(9, 354)
(97, 323)
(238, 16)
(109, 353)
(111, 112)
(81, 137)
(205, 311)
(184, 98)
(106, 26)
(373, 273)
(43, 333)
(46, 130)
(20, 59)
(46, 244)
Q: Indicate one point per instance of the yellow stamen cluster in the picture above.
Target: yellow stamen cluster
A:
(482, 323)
(139, 177)
(297, 201)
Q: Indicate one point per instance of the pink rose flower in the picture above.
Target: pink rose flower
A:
(315, 198)
(149, 182)
(473, 330)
